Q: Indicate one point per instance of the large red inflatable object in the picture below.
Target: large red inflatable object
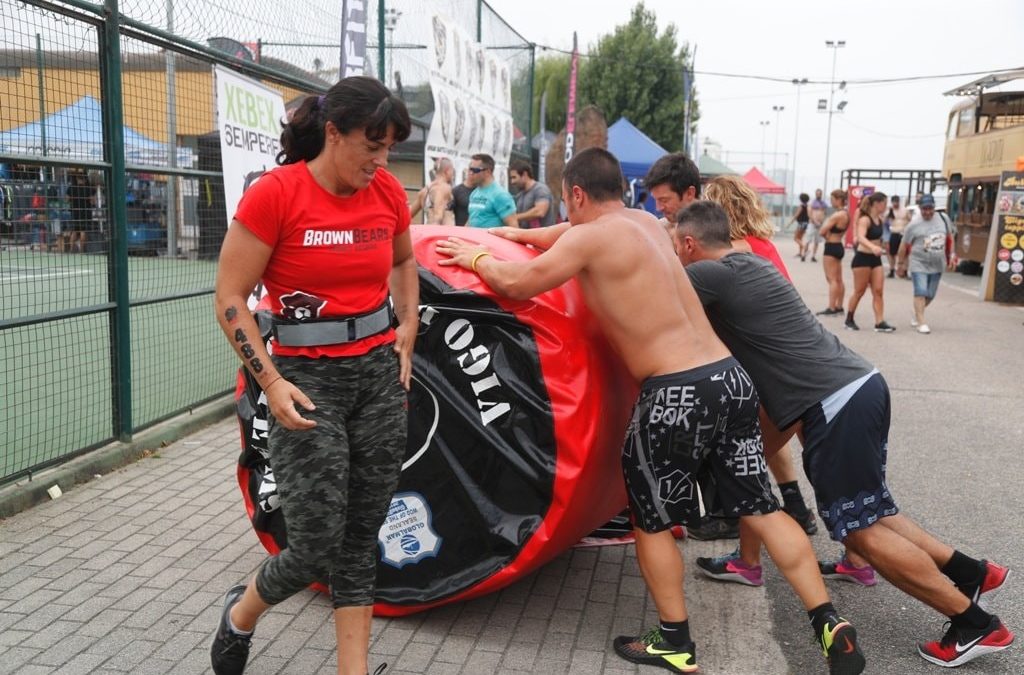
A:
(516, 419)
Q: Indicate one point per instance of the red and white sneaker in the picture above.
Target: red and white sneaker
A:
(985, 591)
(960, 645)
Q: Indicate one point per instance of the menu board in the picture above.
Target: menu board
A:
(1005, 264)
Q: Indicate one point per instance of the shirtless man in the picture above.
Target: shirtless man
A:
(696, 411)
(843, 412)
(435, 200)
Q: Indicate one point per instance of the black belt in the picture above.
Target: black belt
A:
(333, 331)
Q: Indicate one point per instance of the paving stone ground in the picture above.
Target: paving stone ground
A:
(125, 574)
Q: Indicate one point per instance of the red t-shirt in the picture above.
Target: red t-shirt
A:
(332, 255)
(766, 249)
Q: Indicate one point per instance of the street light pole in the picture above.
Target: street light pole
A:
(835, 47)
(775, 159)
(796, 127)
(764, 127)
(775, 152)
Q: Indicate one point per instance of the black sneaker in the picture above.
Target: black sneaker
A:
(828, 312)
(715, 528)
(805, 519)
(838, 640)
(652, 649)
(230, 650)
(851, 324)
(884, 327)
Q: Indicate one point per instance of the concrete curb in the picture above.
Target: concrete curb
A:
(26, 493)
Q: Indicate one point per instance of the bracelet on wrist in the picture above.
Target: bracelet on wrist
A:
(476, 258)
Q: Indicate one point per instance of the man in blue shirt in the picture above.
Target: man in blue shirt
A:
(490, 205)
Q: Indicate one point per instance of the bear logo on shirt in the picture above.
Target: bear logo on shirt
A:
(300, 306)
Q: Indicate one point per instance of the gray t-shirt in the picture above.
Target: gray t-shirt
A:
(794, 362)
(527, 199)
(927, 241)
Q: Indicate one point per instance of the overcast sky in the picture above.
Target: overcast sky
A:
(895, 126)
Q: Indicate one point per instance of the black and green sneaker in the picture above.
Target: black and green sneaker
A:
(838, 640)
(652, 649)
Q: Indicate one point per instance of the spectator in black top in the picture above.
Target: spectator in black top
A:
(460, 197)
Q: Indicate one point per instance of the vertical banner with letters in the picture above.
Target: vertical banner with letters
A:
(1003, 277)
(249, 117)
(570, 114)
(472, 91)
(353, 38)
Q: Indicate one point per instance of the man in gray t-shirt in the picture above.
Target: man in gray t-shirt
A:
(534, 204)
(924, 240)
(804, 374)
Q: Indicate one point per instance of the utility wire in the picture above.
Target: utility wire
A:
(849, 81)
(887, 135)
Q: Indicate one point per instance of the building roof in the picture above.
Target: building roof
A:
(139, 61)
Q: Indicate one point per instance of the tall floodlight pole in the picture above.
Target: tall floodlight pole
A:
(796, 128)
(835, 46)
(764, 127)
(775, 151)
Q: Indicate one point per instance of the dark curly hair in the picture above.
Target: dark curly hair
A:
(353, 103)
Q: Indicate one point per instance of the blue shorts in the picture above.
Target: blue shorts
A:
(844, 456)
(926, 284)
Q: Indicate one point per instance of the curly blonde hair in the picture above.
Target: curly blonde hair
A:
(747, 216)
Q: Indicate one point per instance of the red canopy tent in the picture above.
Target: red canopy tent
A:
(762, 183)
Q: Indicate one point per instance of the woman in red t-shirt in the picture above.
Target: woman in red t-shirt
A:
(327, 234)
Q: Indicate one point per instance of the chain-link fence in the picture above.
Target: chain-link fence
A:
(112, 206)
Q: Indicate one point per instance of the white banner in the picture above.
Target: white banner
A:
(249, 119)
(472, 91)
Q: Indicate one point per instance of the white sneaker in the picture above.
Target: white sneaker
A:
(913, 321)
(923, 328)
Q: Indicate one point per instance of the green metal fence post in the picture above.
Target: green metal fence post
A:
(41, 83)
(381, 44)
(120, 316)
(479, 20)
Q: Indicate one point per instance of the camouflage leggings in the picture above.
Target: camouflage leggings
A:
(335, 481)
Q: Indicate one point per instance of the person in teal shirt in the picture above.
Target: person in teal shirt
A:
(490, 205)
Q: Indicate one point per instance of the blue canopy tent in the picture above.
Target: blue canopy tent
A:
(76, 132)
(636, 153)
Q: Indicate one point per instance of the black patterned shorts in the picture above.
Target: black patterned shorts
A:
(694, 426)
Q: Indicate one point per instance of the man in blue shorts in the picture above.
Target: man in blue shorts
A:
(843, 414)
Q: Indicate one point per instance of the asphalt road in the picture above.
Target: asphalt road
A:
(954, 463)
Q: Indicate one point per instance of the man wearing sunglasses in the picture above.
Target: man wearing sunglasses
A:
(490, 205)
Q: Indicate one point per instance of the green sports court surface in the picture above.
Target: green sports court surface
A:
(57, 388)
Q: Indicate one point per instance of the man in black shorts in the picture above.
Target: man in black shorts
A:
(843, 412)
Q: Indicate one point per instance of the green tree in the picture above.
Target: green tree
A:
(551, 75)
(636, 73)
